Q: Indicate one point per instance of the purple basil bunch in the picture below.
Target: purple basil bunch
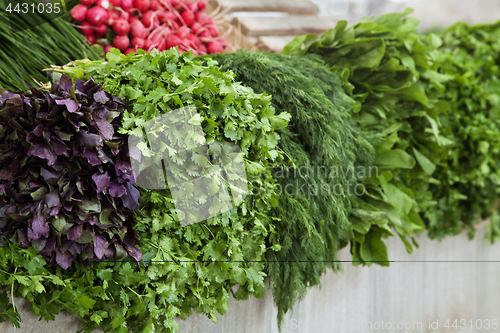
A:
(66, 182)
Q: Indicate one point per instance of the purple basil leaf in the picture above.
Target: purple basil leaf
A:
(49, 175)
(91, 156)
(70, 103)
(50, 246)
(65, 83)
(80, 86)
(133, 251)
(110, 252)
(101, 97)
(38, 130)
(40, 226)
(75, 232)
(59, 146)
(52, 199)
(105, 128)
(100, 246)
(64, 259)
(42, 152)
(131, 198)
(101, 181)
(89, 140)
(75, 249)
(116, 190)
(22, 238)
(39, 244)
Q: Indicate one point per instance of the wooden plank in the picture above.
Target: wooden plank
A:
(293, 7)
(283, 26)
(274, 43)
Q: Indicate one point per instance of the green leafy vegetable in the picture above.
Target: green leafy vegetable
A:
(386, 67)
(321, 138)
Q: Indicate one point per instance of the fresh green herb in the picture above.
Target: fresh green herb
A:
(25, 53)
(321, 138)
(386, 67)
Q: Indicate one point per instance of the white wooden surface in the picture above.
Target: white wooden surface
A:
(406, 292)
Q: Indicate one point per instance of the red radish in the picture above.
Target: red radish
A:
(126, 4)
(188, 18)
(127, 51)
(187, 5)
(137, 29)
(137, 42)
(174, 25)
(79, 13)
(154, 5)
(194, 39)
(125, 15)
(201, 5)
(86, 28)
(214, 47)
(133, 18)
(201, 17)
(202, 49)
(223, 43)
(204, 34)
(196, 27)
(87, 2)
(112, 16)
(90, 39)
(101, 29)
(108, 48)
(183, 33)
(150, 19)
(213, 31)
(177, 4)
(116, 3)
(171, 41)
(121, 27)
(150, 43)
(142, 5)
(103, 3)
(97, 15)
(121, 42)
(166, 17)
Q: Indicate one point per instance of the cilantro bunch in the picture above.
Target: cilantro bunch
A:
(66, 184)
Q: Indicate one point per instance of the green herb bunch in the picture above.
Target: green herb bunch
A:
(469, 173)
(386, 67)
(313, 210)
(184, 269)
(27, 47)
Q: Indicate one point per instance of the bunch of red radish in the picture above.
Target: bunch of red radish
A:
(130, 25)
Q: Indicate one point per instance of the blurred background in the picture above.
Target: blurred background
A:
(431, 13)
(270, 24)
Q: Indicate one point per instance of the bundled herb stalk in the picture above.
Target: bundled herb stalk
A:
(386, 67)
(24, 53)
(323, 149)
